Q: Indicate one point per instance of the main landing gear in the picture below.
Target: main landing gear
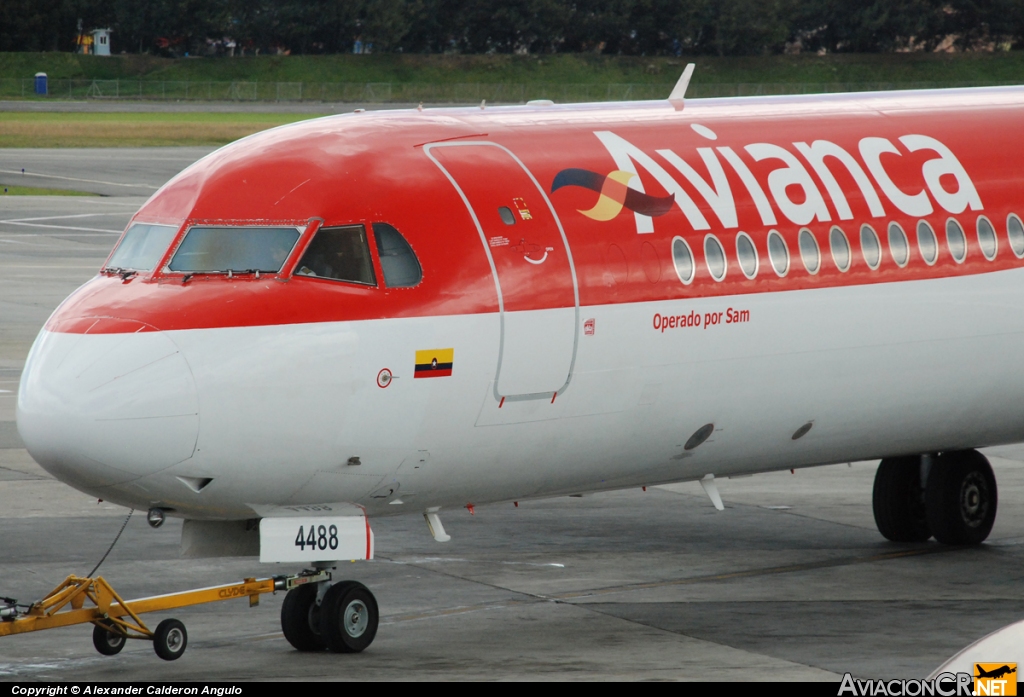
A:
(951, 496)
(342, 617)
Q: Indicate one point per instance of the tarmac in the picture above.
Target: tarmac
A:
(790, 582)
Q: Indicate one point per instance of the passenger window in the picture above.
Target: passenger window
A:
(898, 245)
(870, 247)
(243, 249)
(1015, 233)
(401, 267)
(957, 240)
(339, 253)
(142, 247)
(506, 216)
(840, 248)
(809, 252)
(987, 238)
(683, 260)
(926, 242)
(778, 253)
(746, 254)
(714, 256)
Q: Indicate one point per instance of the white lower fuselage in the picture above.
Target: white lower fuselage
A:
(273, 415)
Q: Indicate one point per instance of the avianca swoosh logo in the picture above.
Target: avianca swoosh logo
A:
(615, 193)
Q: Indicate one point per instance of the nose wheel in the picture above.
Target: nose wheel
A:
(956, 501)
(345, 620)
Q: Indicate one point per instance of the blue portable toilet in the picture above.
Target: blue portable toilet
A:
(41, 84)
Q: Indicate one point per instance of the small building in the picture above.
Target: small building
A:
(96, 42)
(101, 42)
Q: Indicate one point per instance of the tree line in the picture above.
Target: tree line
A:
(617, 27)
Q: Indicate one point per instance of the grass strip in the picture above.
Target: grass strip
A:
(33, 191)
(80, 130)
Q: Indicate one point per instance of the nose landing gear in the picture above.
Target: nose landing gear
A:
(952, 497)
(342, 617)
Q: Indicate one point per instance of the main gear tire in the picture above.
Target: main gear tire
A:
(961, 498)
(898, 500)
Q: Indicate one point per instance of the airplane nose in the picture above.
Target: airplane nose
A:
(109, 405)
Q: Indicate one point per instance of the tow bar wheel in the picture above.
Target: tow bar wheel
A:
(170, 640)
(107, 642)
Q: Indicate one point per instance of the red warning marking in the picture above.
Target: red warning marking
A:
(501, 402)
(469, 507)
(553, 397)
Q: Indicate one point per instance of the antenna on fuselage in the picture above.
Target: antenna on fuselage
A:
(676, 97)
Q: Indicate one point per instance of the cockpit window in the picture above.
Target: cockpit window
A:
(142, 247)
(237, 249)
(340, 253)
(401, 267)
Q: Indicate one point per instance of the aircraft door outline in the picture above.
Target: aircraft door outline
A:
(529, 251)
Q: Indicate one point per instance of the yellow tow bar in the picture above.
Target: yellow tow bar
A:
(79, 600)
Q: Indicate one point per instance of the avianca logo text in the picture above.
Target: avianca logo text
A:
(792, 175)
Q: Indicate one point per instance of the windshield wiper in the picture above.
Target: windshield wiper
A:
(125, 274)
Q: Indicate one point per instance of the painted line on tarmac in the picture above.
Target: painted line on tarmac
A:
(58, 217)
(535, 598)
(62, 227)
(78, 179)
(750, 573)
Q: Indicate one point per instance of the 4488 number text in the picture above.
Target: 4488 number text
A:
(319, 537)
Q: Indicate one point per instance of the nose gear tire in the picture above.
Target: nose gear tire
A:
(898, 500)
(349, 617)
(961, 498)
(300, 619)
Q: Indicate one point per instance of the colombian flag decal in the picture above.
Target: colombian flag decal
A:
(434, 363)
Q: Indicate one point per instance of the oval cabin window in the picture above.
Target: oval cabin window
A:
(987, 240)
(1015, 232)
(870, 247)
(927, 243)
(778, 253)
(898, 245)
(957, 241)
(682, 257)
(746, 254)
(714, 255)
(809, 252)
(840, 248)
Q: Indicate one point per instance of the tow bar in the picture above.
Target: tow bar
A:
(79, 600)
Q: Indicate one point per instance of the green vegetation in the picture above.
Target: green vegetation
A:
(67, 130)
(1003, 67)
(610, 27)
(33, 191)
